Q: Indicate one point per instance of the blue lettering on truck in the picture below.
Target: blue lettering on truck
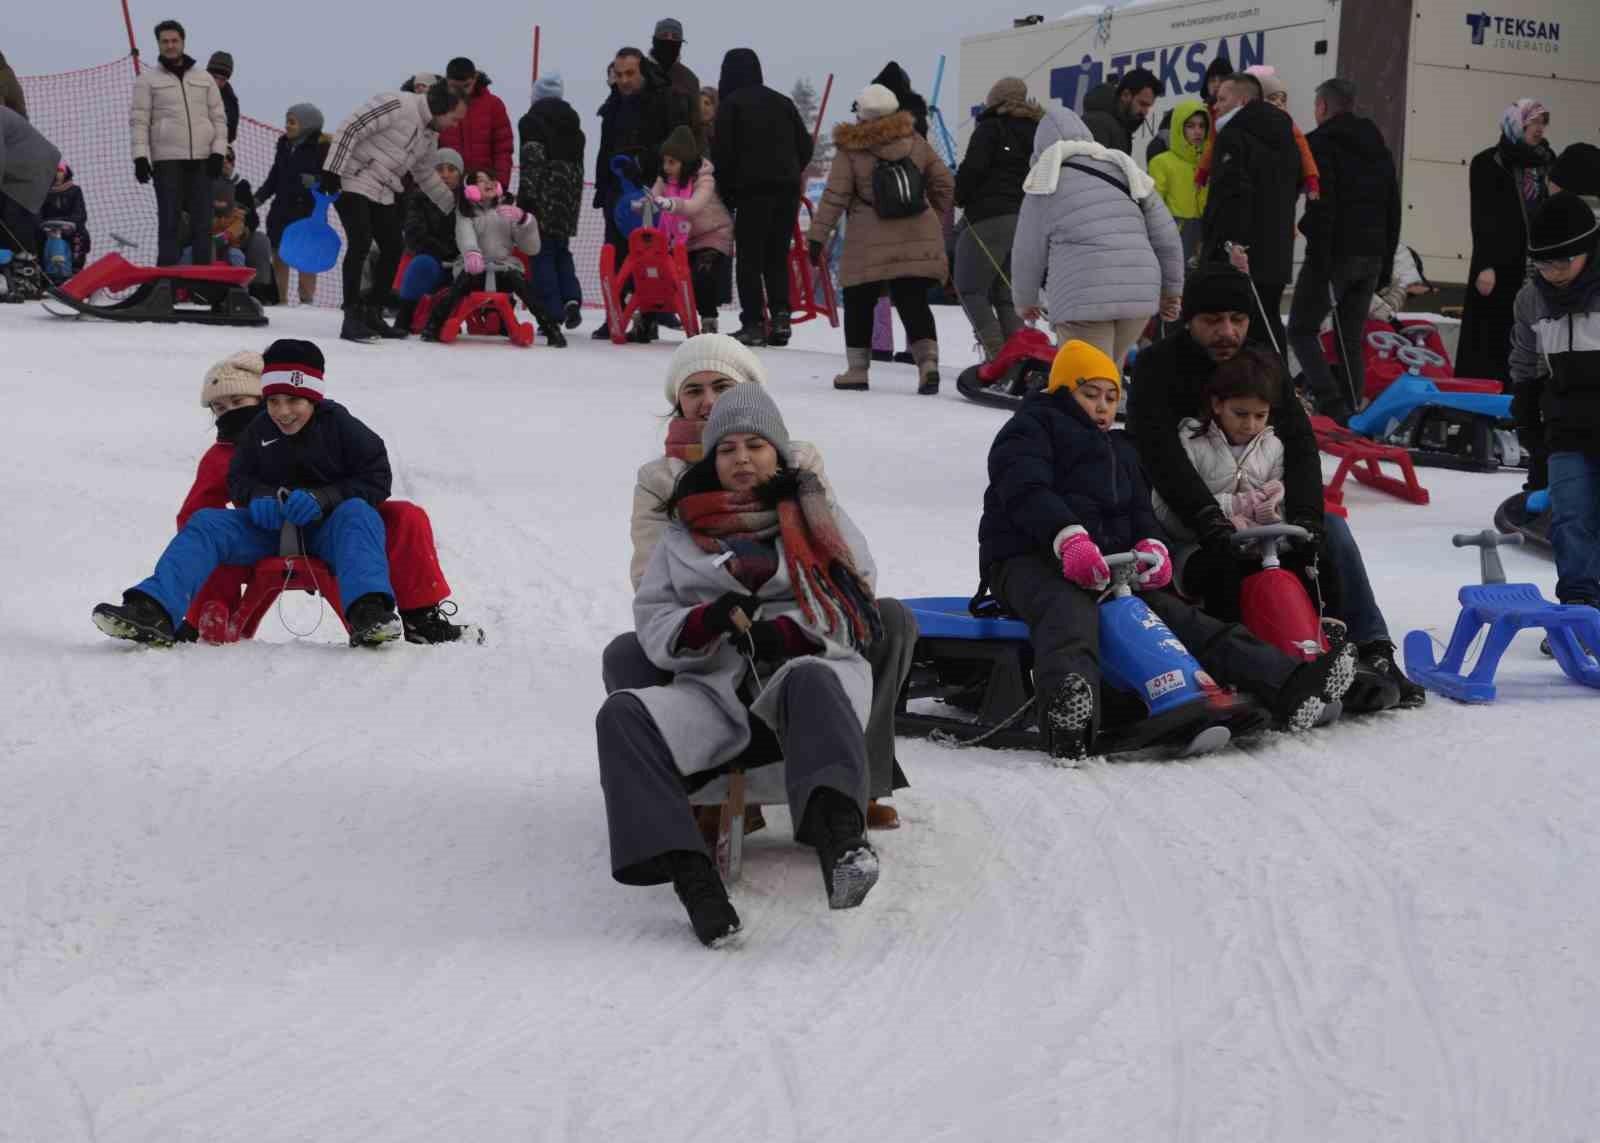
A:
(1070, 84)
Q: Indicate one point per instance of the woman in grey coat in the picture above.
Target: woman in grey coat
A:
(756, 602)
(1093, 219)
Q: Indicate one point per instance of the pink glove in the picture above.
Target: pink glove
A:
(1160, 575)
(1255, 506)
(511, 212)
(473, 261)
(1082, 563)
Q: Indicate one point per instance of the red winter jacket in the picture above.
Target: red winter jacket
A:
(484, 137)
(210, 482)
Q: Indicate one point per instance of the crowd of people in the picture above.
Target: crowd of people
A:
(759, 633)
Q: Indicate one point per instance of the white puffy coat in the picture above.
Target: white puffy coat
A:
(385, 139)
(1225, 474)
(177, 118)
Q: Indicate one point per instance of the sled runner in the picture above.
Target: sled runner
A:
(1022, 367)
(804, 280)
(155, 293)
(1362, 457)
(290, 570)
(1513, 515)
(485, 313)
(1505, 609)
(1153, 694)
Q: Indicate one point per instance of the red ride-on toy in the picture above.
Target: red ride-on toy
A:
(804, 279)
(659, 274)
(1022, 367)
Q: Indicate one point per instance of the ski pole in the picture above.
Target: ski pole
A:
(1262, 310)
(1344, 349)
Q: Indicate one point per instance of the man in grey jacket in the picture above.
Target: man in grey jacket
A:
(180, 135)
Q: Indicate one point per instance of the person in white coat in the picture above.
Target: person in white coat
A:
(180, 135)
(756, 601)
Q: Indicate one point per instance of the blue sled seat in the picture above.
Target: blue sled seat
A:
(984, 666)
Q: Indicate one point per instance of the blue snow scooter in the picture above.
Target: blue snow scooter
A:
(971, 679)
(1472, 432)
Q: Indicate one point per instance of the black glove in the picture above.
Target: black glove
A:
(814, 252)
(331, 183)
(1312, 522)
(719, 615)
(767, 642)
(141, 170)
(214, 166)
(1213, 529)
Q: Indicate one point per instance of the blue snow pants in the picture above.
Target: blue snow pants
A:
(349, 540)
(423, 275)
(555, 278)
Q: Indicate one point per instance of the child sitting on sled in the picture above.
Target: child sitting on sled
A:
(231, 390)
(1063, 487)
(1239, 456)
(308, 462)
(490, 228)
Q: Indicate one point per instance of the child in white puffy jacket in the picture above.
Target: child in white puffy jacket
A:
(490, 229)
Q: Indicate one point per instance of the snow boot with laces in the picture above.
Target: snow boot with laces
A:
(704, 897)
(854, 377)
(139, 619)
(1377, 658)
(834, 824)
(1068, 721)
(432, 625)
(372, 621)
(926, 355)
(1301, 700)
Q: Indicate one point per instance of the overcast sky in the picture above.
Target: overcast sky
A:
(337, 53)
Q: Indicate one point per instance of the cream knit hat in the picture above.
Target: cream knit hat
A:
(237, 376)
(874, 102)
(711, 353)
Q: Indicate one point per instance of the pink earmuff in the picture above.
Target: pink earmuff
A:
(473, 193)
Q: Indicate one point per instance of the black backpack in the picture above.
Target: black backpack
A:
(898, 189)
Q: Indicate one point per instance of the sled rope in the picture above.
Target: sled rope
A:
(951, 741)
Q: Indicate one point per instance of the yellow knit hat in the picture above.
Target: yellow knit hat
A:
(1077, 362)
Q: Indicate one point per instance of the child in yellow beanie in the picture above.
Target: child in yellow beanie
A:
(1066, 486)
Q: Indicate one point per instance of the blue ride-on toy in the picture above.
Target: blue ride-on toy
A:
(1445, 429)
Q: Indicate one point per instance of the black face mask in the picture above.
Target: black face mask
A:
(666, 52)
(232, 424)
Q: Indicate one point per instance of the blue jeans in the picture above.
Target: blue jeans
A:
(423, 275)
(350, 540)
(1361, 615)
(555, 278)
(1575, 526)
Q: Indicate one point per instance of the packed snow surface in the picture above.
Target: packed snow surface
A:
(287, 890)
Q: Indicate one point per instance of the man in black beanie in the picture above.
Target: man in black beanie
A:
(1577, 170)
(1169, 384)
(1555, 369)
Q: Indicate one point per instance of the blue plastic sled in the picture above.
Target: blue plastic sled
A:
(311, 245)
(623, 214)
(1411, 391)
(1505, 608)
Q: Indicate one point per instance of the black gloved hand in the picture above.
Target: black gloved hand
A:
(214, 166)
(719, 615)
(1213, 528)
(331, 183)
(768, 643)
(141, 169)
(814, 252)
(1312, 522)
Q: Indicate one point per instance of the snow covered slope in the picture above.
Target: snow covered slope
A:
(289, 891)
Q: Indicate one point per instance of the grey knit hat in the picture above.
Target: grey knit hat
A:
(450, 156)
(309, 116)
(746, 409)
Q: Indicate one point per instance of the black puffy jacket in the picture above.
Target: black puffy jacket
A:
(335, 457)
(989, 179)
(1358, 215)
(295, 165)
(761, 143)
(554, 125)
(1255, 183)
(1051, 467)
(429, 230)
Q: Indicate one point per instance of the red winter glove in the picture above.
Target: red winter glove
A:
(1160, 575)
(1082, 563)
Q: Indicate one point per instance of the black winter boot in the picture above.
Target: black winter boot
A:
(372, 621)
(551, 329)
(139, 619)
(355, 328)
(779, 333)
(754, 336)
(1068, 720)
(1377, 658)
(834, 824)
(1301, 700)
(704, 897)
(574, 314)
(405, 315)
(374, 318)
(432, 625)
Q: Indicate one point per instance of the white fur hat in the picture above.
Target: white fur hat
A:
(711, 353)
(237, 376)
(876, 101)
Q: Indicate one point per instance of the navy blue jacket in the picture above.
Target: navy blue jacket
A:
(335, 457)
(295, 165)
(1052, 467)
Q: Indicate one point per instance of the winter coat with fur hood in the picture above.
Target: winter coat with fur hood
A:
(1107, 241)
(177, 114)
(1225, 472)
(385, 139)
(882, 249)
(989, 177)
(484, 137)
(702, 714)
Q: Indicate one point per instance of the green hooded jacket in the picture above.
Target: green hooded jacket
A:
(1174, 169)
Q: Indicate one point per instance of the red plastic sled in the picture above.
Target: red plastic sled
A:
(486, 314)
(271, 578)
(804, 277)
(155, 292)
(1392, 349)
(661, 283)
(1360, 457)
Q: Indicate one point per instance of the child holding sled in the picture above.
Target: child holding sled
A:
(308, 462)
(1063, 488)
(694, 217)
(231, 390)
(490, 228)
(1239, 456)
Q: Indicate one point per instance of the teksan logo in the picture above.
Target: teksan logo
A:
(1518, 33)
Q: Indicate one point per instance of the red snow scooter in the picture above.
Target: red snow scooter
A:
(1022, 367)
(160, 293)
(659, 274)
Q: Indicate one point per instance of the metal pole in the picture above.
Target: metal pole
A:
(536, 53)
(816, 130)
(133, 44)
